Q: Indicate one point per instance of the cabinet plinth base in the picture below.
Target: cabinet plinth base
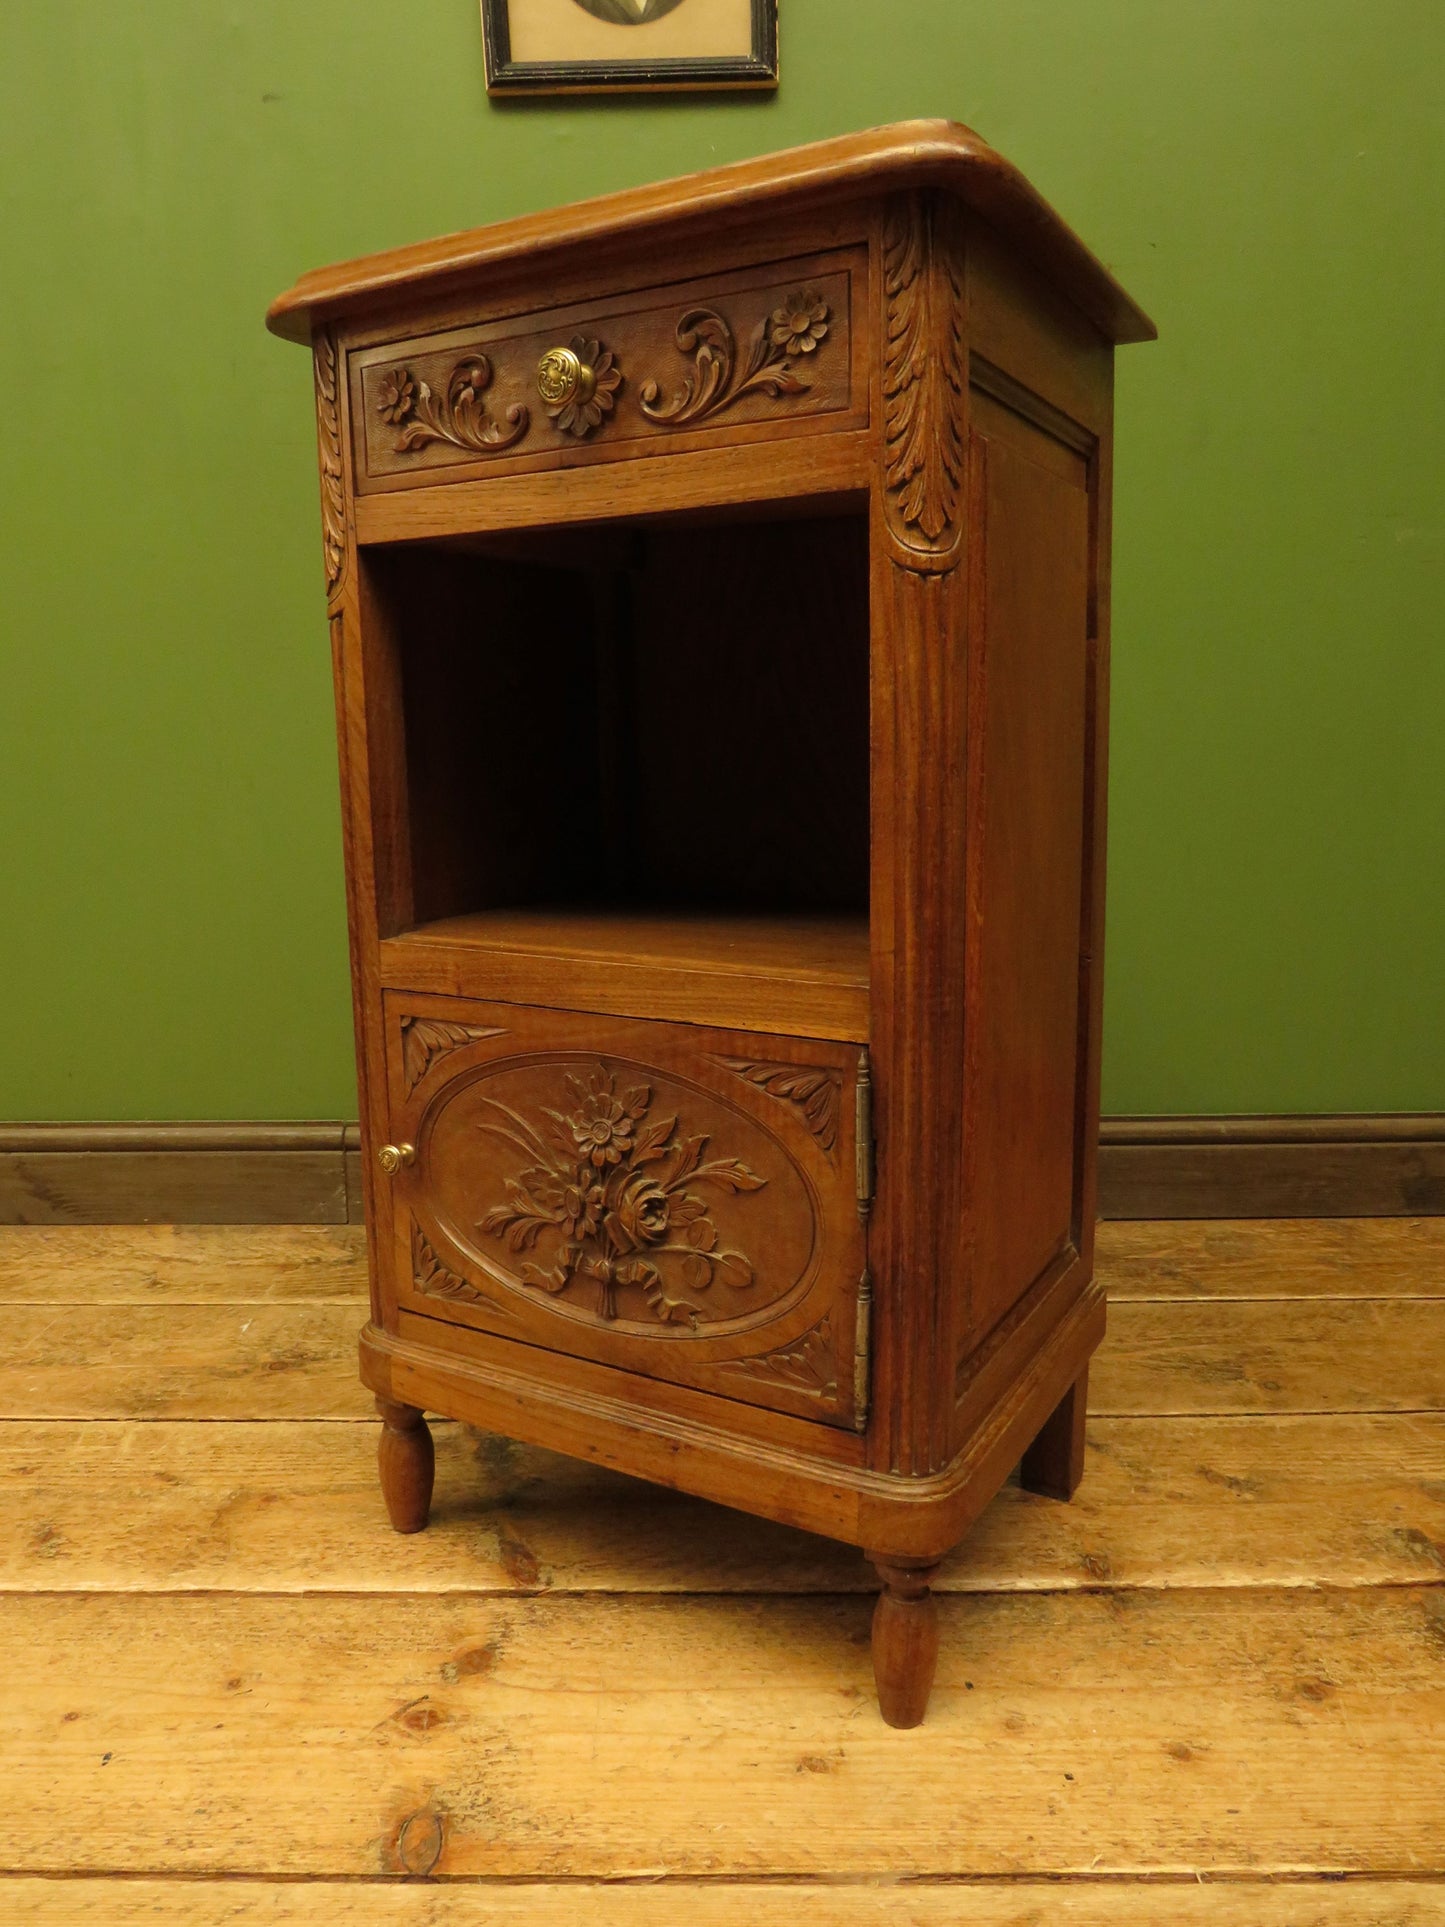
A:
(406, 1459)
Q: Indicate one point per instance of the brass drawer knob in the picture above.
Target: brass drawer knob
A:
(579, 385)
(391, 1157)
(563, 376)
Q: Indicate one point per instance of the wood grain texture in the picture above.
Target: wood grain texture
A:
(805, 976)
(911, 154)
(268, 1359)
(1023, 1902)
(180, 1264)
(1375, 1355)
(1033, 550)
(1209, 1691)
(262, 1360)
(796, 471)
(535, 1738)
(1260, 1258)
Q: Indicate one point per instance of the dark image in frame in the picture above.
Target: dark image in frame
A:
(622, 46)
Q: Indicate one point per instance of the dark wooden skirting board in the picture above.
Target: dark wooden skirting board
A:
(1364, 1166)
(1387, 1165)
(179, 1174)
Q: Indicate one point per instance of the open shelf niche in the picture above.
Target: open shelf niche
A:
(635, 748)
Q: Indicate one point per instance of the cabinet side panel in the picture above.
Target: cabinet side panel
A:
(1030, 568)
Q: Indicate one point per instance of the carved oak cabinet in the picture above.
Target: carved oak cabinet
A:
(718, 579)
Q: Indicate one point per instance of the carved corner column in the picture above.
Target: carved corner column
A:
(335, 541)
(919, 916)
(343, 607)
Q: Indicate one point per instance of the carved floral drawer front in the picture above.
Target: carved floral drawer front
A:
(678, 1202)
(773, 346)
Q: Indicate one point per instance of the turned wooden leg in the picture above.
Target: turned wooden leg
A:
(905, 1641)
(1054, 1463)
(407, 1461)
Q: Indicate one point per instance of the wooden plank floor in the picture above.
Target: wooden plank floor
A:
(1212, 1690)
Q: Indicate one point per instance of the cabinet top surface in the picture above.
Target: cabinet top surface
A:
(911, 154)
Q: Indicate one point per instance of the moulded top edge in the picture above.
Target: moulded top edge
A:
(917, 153)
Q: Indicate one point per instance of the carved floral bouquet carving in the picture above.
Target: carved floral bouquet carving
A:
(621, 1188)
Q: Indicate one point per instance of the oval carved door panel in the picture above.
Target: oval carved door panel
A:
(659, 1197)
(620, 1193)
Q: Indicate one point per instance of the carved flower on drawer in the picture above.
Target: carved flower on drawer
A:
(395, 395)
(800, 323)
(458, 417)
(585, 410)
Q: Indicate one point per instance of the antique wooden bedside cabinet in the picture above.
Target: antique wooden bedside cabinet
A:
(718, 578)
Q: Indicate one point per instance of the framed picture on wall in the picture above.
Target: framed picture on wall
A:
(616, 46)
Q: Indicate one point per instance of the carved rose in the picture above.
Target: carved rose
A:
(800, 324)
(642, 1214)
(612, 1193)
(395, 395)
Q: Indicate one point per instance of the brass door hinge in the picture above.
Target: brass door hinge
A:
(862, 1348)
(863, 1134)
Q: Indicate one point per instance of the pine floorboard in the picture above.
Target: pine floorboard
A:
(1210, 1690)
(297, 1359)
(182, 1902)
(291, 1506)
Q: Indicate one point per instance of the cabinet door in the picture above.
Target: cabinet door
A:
(679, 1202)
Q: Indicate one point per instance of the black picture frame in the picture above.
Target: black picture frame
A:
(505, 76)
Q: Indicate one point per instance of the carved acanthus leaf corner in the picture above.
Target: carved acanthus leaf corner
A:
(925, 377)
(432, 1277)
(328, 433)
(425, 1039)
(815, 1090)
(805, 1365)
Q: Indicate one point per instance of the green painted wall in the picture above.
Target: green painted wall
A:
(1266, 179)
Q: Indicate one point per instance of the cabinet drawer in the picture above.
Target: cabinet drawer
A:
(677, 1202)
(776, 349)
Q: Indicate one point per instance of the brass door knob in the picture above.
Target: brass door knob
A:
(563, 376)
(391, 1157)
